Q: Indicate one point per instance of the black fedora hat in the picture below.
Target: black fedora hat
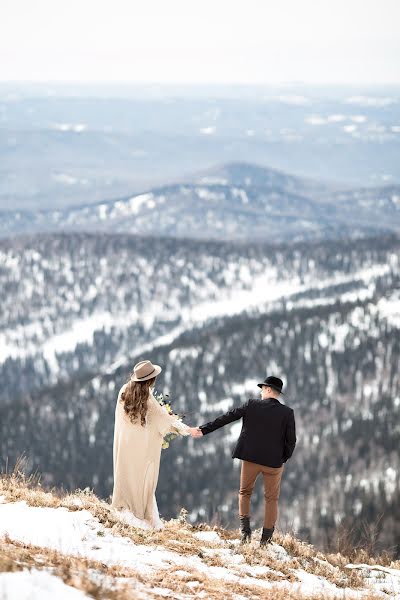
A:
(273, 382)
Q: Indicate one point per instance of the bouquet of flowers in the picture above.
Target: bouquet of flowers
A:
(165, 403)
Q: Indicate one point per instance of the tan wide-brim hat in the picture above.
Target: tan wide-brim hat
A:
(145, 370)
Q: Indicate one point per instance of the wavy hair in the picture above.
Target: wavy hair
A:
(135, 397)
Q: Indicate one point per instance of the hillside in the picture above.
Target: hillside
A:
(74, 546)
(79, 311)
(73, 303)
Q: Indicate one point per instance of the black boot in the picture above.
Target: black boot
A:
(245, 529)
(266, 537)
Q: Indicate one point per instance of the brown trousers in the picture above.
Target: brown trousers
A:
(272, 485)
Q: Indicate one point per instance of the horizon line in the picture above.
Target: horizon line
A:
(197, 83)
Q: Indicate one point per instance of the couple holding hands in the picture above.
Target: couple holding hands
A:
(266, 442)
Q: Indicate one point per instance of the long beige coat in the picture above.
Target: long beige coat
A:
(137, 452)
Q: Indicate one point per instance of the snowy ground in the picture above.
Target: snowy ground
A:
(78, 533)
(36, 585)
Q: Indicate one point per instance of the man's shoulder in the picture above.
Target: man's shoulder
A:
(289, 410)
(253, 402)
(258, 402)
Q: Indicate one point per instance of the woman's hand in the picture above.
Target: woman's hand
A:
(196, 432)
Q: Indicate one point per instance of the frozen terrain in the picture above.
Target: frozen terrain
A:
(178, 561)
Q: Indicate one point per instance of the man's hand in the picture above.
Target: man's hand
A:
(196, 432)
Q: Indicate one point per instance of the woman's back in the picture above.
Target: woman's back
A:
(137, 450)
(133, 436)
(140, 426)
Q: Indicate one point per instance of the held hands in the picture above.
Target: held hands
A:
(196, 432)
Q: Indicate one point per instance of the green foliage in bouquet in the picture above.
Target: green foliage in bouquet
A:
(165, 403)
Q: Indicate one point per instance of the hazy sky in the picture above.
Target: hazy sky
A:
(211, 41)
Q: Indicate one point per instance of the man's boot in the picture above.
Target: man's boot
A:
(266, 537)
(245, 529)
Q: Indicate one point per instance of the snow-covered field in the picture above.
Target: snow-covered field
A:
(197, 557)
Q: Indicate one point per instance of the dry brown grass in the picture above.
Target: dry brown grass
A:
(177, 536)
(79, 573)
(309, 561)
(83, 574)
(74, 571)
(296, 547)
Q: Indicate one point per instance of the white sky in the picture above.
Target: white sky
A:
(201, 41)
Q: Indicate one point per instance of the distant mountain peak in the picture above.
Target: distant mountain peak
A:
(236, 201)
(251, 174)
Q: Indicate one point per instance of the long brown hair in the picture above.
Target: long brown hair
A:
(135, 397)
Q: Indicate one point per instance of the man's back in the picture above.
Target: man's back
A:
(263, 438)
(268, 435)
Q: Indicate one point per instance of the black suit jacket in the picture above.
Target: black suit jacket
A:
(268, 435)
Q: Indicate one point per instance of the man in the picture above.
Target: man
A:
(267, 440)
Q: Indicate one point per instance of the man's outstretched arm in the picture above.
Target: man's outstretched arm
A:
(233, 415)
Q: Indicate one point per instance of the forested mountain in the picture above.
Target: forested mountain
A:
(238, 201)
(79, 310)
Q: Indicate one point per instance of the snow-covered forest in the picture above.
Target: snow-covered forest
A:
(79, 310)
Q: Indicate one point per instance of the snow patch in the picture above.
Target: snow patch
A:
(378, 101)
(389, 308)
(208, 130)
(315, 120)
(207, 536)
(69, 180)
(249, 386)
(213, 181)
(74, 127)
(336, 118)
(239, 193)
(350, 128)
(210, 195)
(36, 585)
(292, 99)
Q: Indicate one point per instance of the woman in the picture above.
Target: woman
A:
(140, 426)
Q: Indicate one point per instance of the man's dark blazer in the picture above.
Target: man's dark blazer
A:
(268, 435)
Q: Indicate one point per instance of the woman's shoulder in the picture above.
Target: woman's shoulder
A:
(120, 414)
(154, 408)
(152, 403)
(119, 403)
(122, 389)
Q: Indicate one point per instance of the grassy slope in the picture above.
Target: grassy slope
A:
(101, 580)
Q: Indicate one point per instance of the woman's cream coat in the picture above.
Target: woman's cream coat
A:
(137, 452)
